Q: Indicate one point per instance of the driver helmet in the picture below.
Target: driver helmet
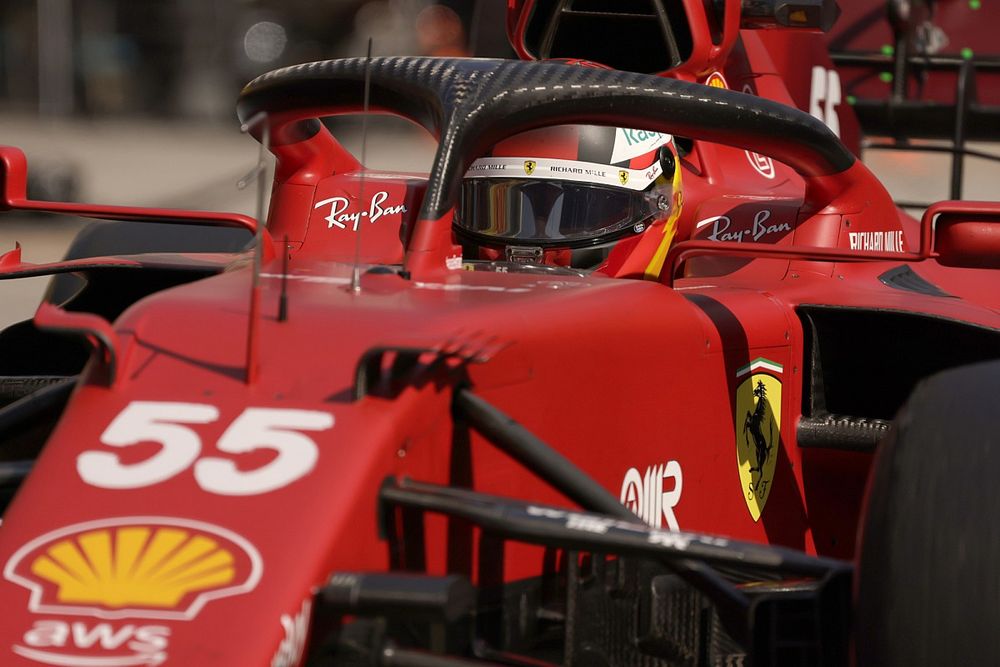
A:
(566, 195)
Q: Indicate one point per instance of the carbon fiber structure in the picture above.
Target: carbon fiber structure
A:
(470, 104)
(856, 434)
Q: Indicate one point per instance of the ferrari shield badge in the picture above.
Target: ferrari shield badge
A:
(758, 428)
(623, 176)
(529, 167)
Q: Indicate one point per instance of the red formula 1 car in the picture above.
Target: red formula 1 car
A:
(366, 437)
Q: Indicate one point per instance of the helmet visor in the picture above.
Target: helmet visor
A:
(550, 212)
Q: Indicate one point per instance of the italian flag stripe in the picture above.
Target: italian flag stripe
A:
(760, 363)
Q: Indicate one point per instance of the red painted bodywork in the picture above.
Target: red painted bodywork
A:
(615, 373)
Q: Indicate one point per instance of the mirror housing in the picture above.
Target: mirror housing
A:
(810, 15)
(14, 189)
(968, 236)
(13, 177)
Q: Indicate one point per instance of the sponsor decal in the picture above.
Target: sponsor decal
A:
(104, 644)
(588, 523)
(716, 80)
(578, 171)
(654, 495)
(891, 241)
(670, 539)
(486, 165)
(293, 644)
(340, 216)
(134, 567)
(631, 143)
(601, 525)
(721, 228)
(762, 164)
(168, 424)
(567, 170)
(758, 430)
(453, 263)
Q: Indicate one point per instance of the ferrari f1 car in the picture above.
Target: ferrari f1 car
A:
(354, 436)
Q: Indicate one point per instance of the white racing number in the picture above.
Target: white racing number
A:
(263, 428)
(824, 96)
(168, 424)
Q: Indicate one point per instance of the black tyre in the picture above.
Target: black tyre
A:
(928, 577)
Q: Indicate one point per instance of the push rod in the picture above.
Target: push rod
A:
(537, 456)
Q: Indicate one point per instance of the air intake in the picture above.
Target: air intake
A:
(645, 36)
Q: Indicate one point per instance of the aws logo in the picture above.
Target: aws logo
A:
(136, 567)
(108, 644)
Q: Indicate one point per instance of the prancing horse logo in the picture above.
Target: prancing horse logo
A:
(758, 430)
(529, 167)
(755, 422)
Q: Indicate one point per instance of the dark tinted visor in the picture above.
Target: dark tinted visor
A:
(547, 212)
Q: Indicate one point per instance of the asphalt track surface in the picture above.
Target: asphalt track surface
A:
(192, 165)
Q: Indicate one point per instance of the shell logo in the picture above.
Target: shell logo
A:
(716, 80)
(146, 567)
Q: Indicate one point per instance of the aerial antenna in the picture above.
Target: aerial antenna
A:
(356, 272)
(472, 39)
(260, 171)
(283, 298)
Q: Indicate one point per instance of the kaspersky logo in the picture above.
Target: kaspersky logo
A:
(134, 567)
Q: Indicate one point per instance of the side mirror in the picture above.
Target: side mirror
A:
(967, 234)
(13, 177)
(14, 195)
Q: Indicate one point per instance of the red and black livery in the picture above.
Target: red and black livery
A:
(326, 449)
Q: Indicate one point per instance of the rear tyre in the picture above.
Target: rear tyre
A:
(928, 576)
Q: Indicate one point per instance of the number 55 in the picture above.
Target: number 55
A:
(166, 423)
(825, 91)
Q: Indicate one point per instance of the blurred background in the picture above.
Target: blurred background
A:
(110, 99)
(133, 101)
